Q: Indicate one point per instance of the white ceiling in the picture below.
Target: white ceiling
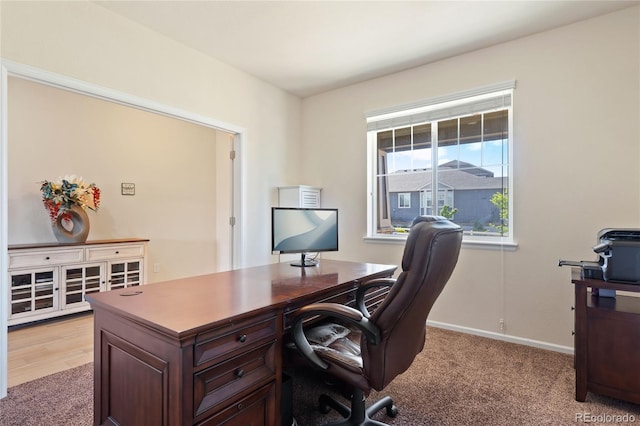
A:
(307, 47)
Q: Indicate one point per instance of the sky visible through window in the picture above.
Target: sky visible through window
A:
(490, 155)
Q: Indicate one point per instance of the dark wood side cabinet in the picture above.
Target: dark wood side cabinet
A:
(206, 350)
(607, 340)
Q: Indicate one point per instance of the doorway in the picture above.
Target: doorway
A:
(228, 144)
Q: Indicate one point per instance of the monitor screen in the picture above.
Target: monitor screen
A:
(303, 230)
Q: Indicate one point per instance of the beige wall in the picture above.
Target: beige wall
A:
(55, 132)
(576, 142)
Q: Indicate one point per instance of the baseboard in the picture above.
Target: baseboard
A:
(503, 337)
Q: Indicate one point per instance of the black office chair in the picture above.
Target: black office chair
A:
(367, 351)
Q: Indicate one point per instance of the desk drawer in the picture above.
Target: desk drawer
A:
(115, 252)
(44, 258)
(234, 336)
(256, 410)
(223, 383)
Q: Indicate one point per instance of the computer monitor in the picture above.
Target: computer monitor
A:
(303, 230)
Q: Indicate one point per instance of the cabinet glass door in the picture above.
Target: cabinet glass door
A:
(80, 281)
(32, 291)
(124, 274)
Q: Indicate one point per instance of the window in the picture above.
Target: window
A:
(457, 147)
(404, 200)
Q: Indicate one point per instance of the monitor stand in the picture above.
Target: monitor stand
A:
(304, 262)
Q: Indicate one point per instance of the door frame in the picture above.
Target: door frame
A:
(13, 69)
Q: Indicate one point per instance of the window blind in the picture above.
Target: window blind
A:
(469, 102)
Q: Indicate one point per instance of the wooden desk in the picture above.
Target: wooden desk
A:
(208, 349)
(607, 340)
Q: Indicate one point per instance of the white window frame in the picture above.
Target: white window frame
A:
(405, 196)
(402, 116)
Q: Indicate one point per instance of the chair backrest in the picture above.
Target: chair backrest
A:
(430, 255)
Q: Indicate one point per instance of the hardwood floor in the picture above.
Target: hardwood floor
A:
(49, 347)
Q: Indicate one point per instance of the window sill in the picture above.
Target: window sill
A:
(486, 245)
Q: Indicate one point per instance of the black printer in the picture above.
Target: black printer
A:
(618, 259)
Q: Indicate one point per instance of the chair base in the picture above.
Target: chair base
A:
(358, 414)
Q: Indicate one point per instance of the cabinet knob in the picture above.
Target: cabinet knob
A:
(242, 338)
(239, 372)
(117, 252)
(240, 407)
(47, 258)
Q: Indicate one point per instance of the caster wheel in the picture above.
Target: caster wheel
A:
(392, 411)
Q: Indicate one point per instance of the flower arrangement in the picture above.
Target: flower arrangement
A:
(60, 196)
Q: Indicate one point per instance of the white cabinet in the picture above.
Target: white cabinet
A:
(33, 291)
(80, 280)
(299, 196)
(48, 280)
(124, 274)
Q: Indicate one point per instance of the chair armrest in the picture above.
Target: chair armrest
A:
(331, 310)
(360, 292)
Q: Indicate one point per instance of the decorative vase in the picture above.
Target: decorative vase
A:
(74, 230)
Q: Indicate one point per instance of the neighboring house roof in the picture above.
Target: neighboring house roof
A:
(467, 167)
(417, 180)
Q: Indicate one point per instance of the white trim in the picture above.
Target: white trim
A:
(503, 337)
(10, 68)
(78, 86)
(4, 229)
(404, 109)
(239, 252)
(494, 245)
(450, 106)
(404, 195)
(479, 244)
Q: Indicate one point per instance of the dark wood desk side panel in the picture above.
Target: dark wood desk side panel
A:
(135, 378)
(122, 344)
(274, 397)
(580, 340)
(607, 341)
(614, 351)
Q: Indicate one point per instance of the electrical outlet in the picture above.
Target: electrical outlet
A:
(501, 324)
(156, 267)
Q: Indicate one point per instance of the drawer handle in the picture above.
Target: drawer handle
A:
(240, 372)
(240, 406)
(117, 252)
(47, 258)
(242, 338)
